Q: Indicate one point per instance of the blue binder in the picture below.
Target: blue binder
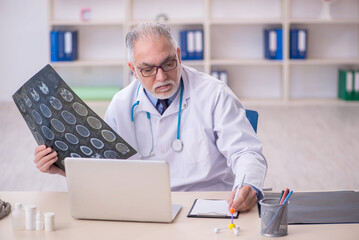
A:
(273, 44)
(198, 44)
(54, 46)
(191, 41)
(70, 45)
(61, 45)
(191, 44)
(298, 44)
(183, 45)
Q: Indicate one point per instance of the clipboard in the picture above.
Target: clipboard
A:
(210, 208)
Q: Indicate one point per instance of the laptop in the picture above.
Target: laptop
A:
(114, 189)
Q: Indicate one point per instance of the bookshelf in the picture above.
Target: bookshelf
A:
(233, 41)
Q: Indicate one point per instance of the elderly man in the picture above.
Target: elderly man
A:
(185, 117)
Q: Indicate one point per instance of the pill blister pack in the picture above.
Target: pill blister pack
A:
(58, 118)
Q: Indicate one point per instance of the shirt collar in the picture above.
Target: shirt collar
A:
(154, 100)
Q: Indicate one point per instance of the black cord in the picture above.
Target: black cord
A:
(5, 209)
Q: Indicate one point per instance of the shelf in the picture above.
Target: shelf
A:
(89, 63)
(193, 62)
(324, 62)
(298, 102)
(323, 21)
(86, 23)
(173, 22)
(233, 41)
(245, 21)
(262, 62)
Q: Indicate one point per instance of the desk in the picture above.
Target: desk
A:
(182, 228)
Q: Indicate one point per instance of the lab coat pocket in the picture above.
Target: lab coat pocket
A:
(194, 146)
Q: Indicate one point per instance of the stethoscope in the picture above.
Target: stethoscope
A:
(177, 144)
(5, 208)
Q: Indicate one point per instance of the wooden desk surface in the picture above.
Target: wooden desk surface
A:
(182, 227)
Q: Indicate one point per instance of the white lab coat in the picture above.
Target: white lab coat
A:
(219, 144)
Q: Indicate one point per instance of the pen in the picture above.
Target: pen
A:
(284, 195)
(287, 197)
(238, 187)
(232, 211)
(281, 195)
(271, 223)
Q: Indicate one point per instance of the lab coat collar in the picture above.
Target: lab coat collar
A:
(146, 105)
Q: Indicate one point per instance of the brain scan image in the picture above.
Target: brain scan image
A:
(34, 94)
(58, 118)
(43, 87)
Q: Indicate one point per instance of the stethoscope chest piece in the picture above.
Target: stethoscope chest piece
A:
(177, 145)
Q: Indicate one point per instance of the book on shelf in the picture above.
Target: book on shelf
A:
(356, 85)
(63, 45)
(191, 44)
(53, 46)
(348, 85)
(298, 43)
(221, 75)
(273, 44)
(70, 48)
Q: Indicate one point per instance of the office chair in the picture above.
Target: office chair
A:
(253, 118)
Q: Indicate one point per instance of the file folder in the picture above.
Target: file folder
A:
(356, 85)
(298, 44)
(322, 207)
(191, 44)
(183, 45)
(346, 85)
(221, 75)
(63, 45)
(273, 44)
(70, 45)
(199, 44)
(215, 74)
(54, 46)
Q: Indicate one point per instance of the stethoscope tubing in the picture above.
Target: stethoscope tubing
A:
(149, 118)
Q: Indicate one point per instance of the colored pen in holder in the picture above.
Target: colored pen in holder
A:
(274, 221)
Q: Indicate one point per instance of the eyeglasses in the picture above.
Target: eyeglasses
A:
(152, 71)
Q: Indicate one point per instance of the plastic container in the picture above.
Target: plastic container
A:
(39, 221)
(30, 217)
(18, 217)
(49, 221)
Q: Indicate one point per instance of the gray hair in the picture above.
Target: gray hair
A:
(148, 31)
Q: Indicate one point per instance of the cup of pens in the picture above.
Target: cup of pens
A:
(274, 221)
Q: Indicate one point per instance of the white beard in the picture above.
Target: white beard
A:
(165, 94)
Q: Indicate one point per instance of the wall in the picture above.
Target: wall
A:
(23, 43)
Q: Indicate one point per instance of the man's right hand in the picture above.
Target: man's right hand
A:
(44, 159)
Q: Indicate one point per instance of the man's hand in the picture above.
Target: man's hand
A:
(246, 199)
(44, 159)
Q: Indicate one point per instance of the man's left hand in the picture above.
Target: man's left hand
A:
(246, 199)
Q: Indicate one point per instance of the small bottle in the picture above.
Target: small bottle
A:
(49, 221)
(18, 217)
(39, 221)
(30, 217)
